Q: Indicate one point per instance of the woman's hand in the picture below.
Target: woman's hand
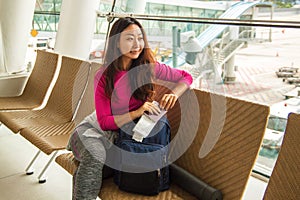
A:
(168, 101)
(148, 107)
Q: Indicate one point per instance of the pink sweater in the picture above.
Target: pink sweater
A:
(106, 107)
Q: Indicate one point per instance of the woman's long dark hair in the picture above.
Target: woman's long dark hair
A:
(142, 78)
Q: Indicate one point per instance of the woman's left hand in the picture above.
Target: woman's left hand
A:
(168, 101)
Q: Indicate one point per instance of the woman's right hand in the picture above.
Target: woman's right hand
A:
(149, 107)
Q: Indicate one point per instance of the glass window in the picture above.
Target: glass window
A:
(237, 59)
(277, 123)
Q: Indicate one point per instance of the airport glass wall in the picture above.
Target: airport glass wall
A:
(46, 15)
(47, 12)
(236, 58)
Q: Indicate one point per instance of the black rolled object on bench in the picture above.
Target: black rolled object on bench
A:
(193, 185)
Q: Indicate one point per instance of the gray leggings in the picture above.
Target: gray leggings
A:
(90, 151)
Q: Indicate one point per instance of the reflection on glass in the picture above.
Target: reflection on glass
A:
(236, 60)
(277, 123)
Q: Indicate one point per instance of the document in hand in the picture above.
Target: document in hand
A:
(146, 123)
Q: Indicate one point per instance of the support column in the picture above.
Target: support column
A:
(15, 24)
(229, 65)
(229, 70)
(271, 18)
(76, 28)
(254, 16)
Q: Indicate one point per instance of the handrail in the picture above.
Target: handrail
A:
(217, 21)
(218, 25)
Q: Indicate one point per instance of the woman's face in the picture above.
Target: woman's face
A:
(131, 42)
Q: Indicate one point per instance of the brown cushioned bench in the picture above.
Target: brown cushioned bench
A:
(62, 101)
(215, 138)
(284, 182)
(50, 137)
(37, 85)
(57, 116)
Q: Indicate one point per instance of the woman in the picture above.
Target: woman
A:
(124, 90)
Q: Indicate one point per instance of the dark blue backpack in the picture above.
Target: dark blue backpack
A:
(143, 166)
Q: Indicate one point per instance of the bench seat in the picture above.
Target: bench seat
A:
(111, 191)
(215, 138)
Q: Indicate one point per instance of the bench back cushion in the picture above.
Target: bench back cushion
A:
(217, 139)
(284, 182)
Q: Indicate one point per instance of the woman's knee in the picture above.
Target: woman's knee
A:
(94, 153)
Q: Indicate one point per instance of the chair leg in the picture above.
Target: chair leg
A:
(41, 177)
(29, 170)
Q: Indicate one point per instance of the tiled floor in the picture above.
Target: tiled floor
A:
(15, 155)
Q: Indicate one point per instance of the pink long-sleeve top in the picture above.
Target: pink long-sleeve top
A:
(107, 107)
